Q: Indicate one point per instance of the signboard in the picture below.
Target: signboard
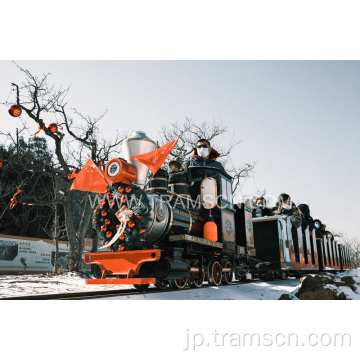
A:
(31, 255)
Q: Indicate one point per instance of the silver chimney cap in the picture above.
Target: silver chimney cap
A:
(137, 144)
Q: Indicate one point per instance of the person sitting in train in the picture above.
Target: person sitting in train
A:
(305, 210)
(204, 155)
(319, 227)
(259, 208)
(286, 210)
(304, 223)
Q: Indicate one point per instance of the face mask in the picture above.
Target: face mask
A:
(287, 207)
(317, 226)
(203, 152)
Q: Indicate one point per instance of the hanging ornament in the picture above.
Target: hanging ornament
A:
(13, 200)
(109, 234)
(112, 203)
(142, 230)
(121, 189)
(104, 213)
(99, 207)
(103, 227)
(1, 163)
(131, 224)
(128, 189)
(53, 127)
(107, 192)
(121, 248)
(102, 202)
(118, 226)
(15, 110)
(139, 217)
(123, 199)
(107, 221)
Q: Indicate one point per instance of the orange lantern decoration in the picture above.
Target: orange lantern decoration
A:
(139, 217)
(111, 203)
(128, 189)
(121, 248)
(104, 213)
(107, 192)
(107, 222)
(103, 227)
(131, 224)
(109, 234)
(15, 110)
(121, 189)
(53, 127)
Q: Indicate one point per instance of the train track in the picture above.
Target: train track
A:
(101, 294)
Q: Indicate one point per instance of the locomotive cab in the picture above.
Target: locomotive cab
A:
(212, 189)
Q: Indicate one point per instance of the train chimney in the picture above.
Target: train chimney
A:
(137, 144)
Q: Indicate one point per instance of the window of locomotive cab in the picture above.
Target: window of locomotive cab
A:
(226, 191)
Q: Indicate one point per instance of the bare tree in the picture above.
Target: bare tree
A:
(41, 102)
(191, 132)
(354, 247)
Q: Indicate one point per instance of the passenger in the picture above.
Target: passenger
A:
(304, 209)
(204, 155)
(286, 210)
(319, 227)
(304, 223)
(260, 208)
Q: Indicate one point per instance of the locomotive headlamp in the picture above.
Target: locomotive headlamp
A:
(118, 170)
(176, 164)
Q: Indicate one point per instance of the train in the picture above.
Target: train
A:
(183, 229)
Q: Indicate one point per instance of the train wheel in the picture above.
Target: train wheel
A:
(178, 283)
(227, 276)
(214, 273)
(96, 271)
(162, 285)
(141, 287)
(195, 280)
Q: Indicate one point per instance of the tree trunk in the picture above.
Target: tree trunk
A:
(77, 234)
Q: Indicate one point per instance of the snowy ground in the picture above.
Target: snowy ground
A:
(258, 290)
(349, 293)
(23, 285)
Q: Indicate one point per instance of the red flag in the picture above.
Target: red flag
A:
(90, 178)
(154, 159)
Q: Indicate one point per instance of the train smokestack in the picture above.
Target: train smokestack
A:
(137, 144)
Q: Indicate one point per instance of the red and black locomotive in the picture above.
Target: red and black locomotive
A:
(182, 228)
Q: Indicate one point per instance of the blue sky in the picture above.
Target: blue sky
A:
(298, 120)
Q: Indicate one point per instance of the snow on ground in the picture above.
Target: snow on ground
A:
(257, 290)
(350, 293)
(24, 285)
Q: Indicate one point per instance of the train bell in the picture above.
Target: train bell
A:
(176, 164)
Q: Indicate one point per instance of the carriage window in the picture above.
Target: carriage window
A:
(226, 190)
(229, 191)
(209, 193)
